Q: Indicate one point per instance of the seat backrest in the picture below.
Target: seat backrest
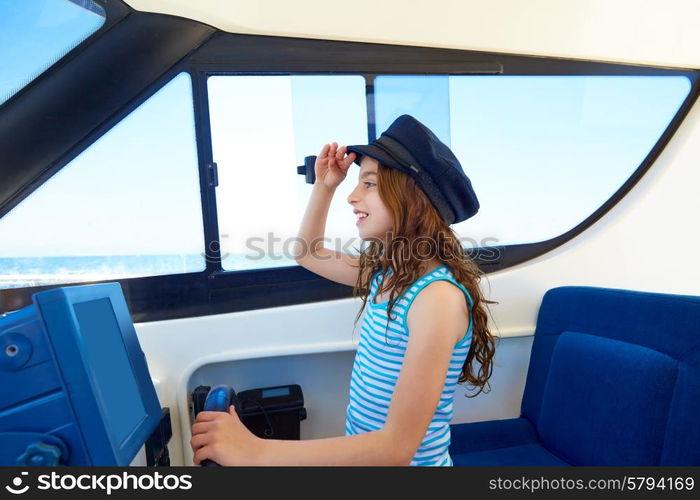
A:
(614, 377)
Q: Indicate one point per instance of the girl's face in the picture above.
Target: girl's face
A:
(365, 200)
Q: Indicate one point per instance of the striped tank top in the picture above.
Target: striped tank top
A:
(378, 361)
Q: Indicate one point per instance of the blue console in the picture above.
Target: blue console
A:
(74, 384)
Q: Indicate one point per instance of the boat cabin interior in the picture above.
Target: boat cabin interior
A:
(157, 160)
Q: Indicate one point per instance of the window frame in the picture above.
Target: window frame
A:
(212, 52)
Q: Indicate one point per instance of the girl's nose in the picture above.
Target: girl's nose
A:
(354, 196)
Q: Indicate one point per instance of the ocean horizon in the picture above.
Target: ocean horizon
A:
(18, 272)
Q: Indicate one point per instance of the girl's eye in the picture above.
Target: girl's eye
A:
(370, 184)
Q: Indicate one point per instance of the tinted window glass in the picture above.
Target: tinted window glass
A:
(128, 206)
(262, 128)
(542, 152)
(34, 34)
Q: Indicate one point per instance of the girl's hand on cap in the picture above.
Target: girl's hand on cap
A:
(332, 165)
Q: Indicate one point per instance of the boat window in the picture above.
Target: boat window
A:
(262, 128)
(543, 152)
(127, 206)
(34, 34)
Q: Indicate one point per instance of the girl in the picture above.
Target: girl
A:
(426, 321)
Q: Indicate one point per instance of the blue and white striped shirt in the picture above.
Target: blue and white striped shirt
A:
(378, 362)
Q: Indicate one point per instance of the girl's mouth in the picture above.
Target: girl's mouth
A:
(361, 216)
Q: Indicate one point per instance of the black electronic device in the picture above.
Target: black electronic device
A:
(273, 412)
(157, 445)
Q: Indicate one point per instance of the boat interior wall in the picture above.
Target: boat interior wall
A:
(652, 216)
(624, 31)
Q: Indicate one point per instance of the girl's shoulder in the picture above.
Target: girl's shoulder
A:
(444, 296)
(444, 275)
(441, 273)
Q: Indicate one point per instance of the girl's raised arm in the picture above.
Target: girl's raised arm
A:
(331, 168)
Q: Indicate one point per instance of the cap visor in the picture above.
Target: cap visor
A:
(373, 152)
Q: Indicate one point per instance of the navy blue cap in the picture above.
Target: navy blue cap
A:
(411, 147)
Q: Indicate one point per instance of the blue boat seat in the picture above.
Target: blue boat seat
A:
(614, 379)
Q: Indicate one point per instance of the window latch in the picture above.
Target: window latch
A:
(213, 174)
(307, 169)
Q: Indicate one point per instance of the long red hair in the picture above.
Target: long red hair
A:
(420, 231)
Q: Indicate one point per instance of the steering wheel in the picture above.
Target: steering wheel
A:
(219, 398)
